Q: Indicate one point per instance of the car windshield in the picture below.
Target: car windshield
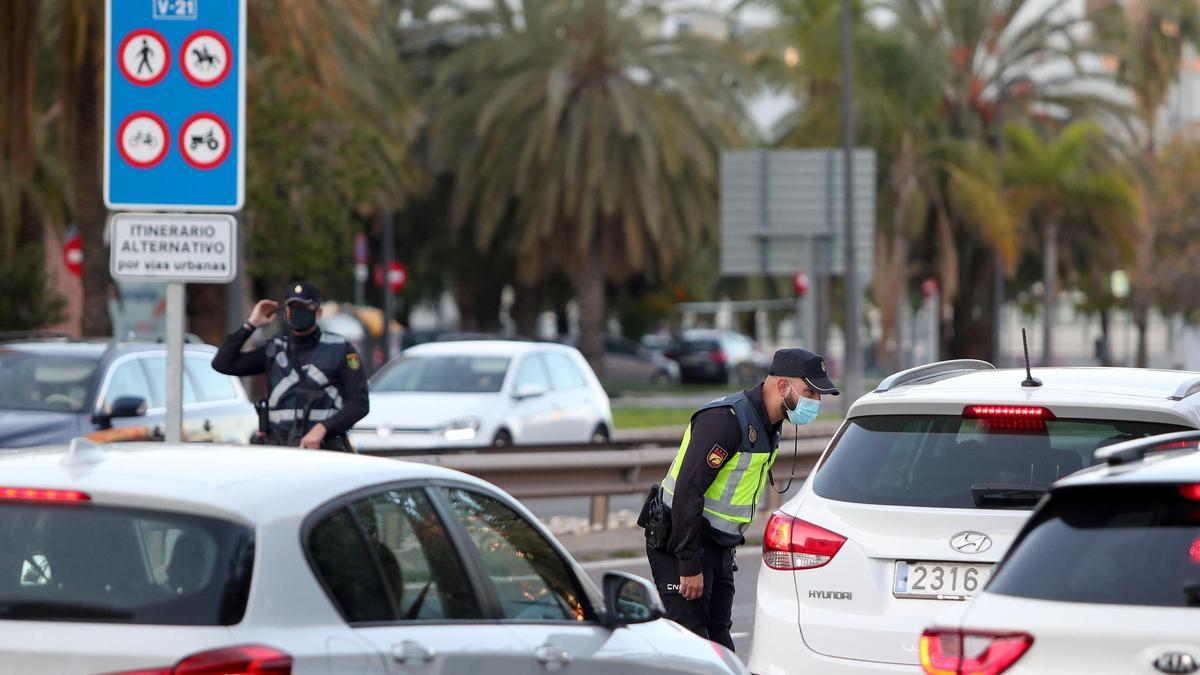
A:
(950, 461)
(44, 382)
(103, 564)
(460, 374)
(1122, 545)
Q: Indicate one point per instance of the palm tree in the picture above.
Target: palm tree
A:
(602, 140)
(1147, 37)
(1062, 183)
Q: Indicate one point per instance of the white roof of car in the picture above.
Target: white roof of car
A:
(1166, 467)
(1121, 393)
(249, 484)
(484, 348)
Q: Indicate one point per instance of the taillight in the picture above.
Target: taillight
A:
(14, 494)
(955, 652)
(1009, 417)
(717, 356)
(1190, 491)
(793, 544)
(240, 660)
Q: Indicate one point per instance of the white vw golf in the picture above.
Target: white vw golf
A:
(922, 490)
(156, 559)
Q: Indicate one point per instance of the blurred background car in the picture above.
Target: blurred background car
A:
(54, 389)
(363, 327)
(495, 392)
(284, 561)
(626, 362)
(720, 356)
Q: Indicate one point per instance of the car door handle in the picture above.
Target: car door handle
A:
(412, 654)
(553, 658)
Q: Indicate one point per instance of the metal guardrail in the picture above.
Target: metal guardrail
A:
(595, 471)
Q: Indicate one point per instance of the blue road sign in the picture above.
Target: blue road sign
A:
(175, 105)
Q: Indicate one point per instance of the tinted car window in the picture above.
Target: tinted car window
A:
(398, 535)
(101, 564)
(1134, 545)
(689, 346)
(44, 382)
(949, 461)
(462, 374)
(532, 581)
(564, 374)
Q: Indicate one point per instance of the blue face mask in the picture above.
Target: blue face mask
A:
(805, 412)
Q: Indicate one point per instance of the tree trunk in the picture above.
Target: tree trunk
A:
(18, 142)
(1105, 354)
(526, 308)
(81, 69)
(589, 289)
(1049, 289)
(969, 333)
(206, 312)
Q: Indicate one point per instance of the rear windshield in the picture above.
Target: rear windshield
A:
(1133, 545)
(99, 564)
(951, 462)
(700, 346)
(459, 374)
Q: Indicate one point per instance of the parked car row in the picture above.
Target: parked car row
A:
(932, 479)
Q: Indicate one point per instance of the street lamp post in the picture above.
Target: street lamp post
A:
(852, 385)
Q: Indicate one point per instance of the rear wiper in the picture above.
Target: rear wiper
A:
(17, 611)
(1005, 495)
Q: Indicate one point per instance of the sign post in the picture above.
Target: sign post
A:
(174, 141)
(175, 249)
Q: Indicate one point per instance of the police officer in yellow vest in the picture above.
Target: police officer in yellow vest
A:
(715, 483)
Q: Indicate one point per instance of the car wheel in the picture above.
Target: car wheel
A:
(601, 435)
(503, 439)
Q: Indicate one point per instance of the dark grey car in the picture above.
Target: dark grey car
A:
(54, 390)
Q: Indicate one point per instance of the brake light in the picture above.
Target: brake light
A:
(955, 652)
(793, 544)
(1009, 417)
(11, 494)
(240, 660)
(1190, 491)
(717, 356)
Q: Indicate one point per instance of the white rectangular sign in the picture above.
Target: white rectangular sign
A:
(186, 247)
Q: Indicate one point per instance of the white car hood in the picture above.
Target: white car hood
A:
(427, 410)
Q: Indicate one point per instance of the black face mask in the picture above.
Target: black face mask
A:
(301, 318)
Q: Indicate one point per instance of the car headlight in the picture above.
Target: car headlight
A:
(463, 429)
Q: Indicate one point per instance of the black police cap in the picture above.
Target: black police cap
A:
(304, 291)
(806, 365)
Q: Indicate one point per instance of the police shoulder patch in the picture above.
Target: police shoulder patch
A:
(752, 433)
(353, 361)
(717, 456)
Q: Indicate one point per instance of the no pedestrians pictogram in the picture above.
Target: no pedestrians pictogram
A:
(144, 57)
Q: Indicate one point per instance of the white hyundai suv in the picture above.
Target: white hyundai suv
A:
(922, 490)
(1104, 578)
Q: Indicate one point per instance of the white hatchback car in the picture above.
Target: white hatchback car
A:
(488, 392)
(922, 490)
(150, 559)
(1104, 578)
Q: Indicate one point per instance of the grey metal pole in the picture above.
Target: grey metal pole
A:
(235, 291)
(389, 298)
(176, 304)
(852, 381)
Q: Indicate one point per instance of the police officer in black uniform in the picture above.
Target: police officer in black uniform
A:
(315, 382)
(712, 489)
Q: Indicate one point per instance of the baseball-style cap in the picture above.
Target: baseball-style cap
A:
(304, 291)
(806, 365)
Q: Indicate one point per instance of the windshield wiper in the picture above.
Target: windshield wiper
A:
(1006, 495)
(17, 611)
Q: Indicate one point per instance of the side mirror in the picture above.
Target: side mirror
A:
(630, 599)
(125, 406)
(529, 391)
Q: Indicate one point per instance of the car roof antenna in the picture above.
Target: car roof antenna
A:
(1030, 380)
